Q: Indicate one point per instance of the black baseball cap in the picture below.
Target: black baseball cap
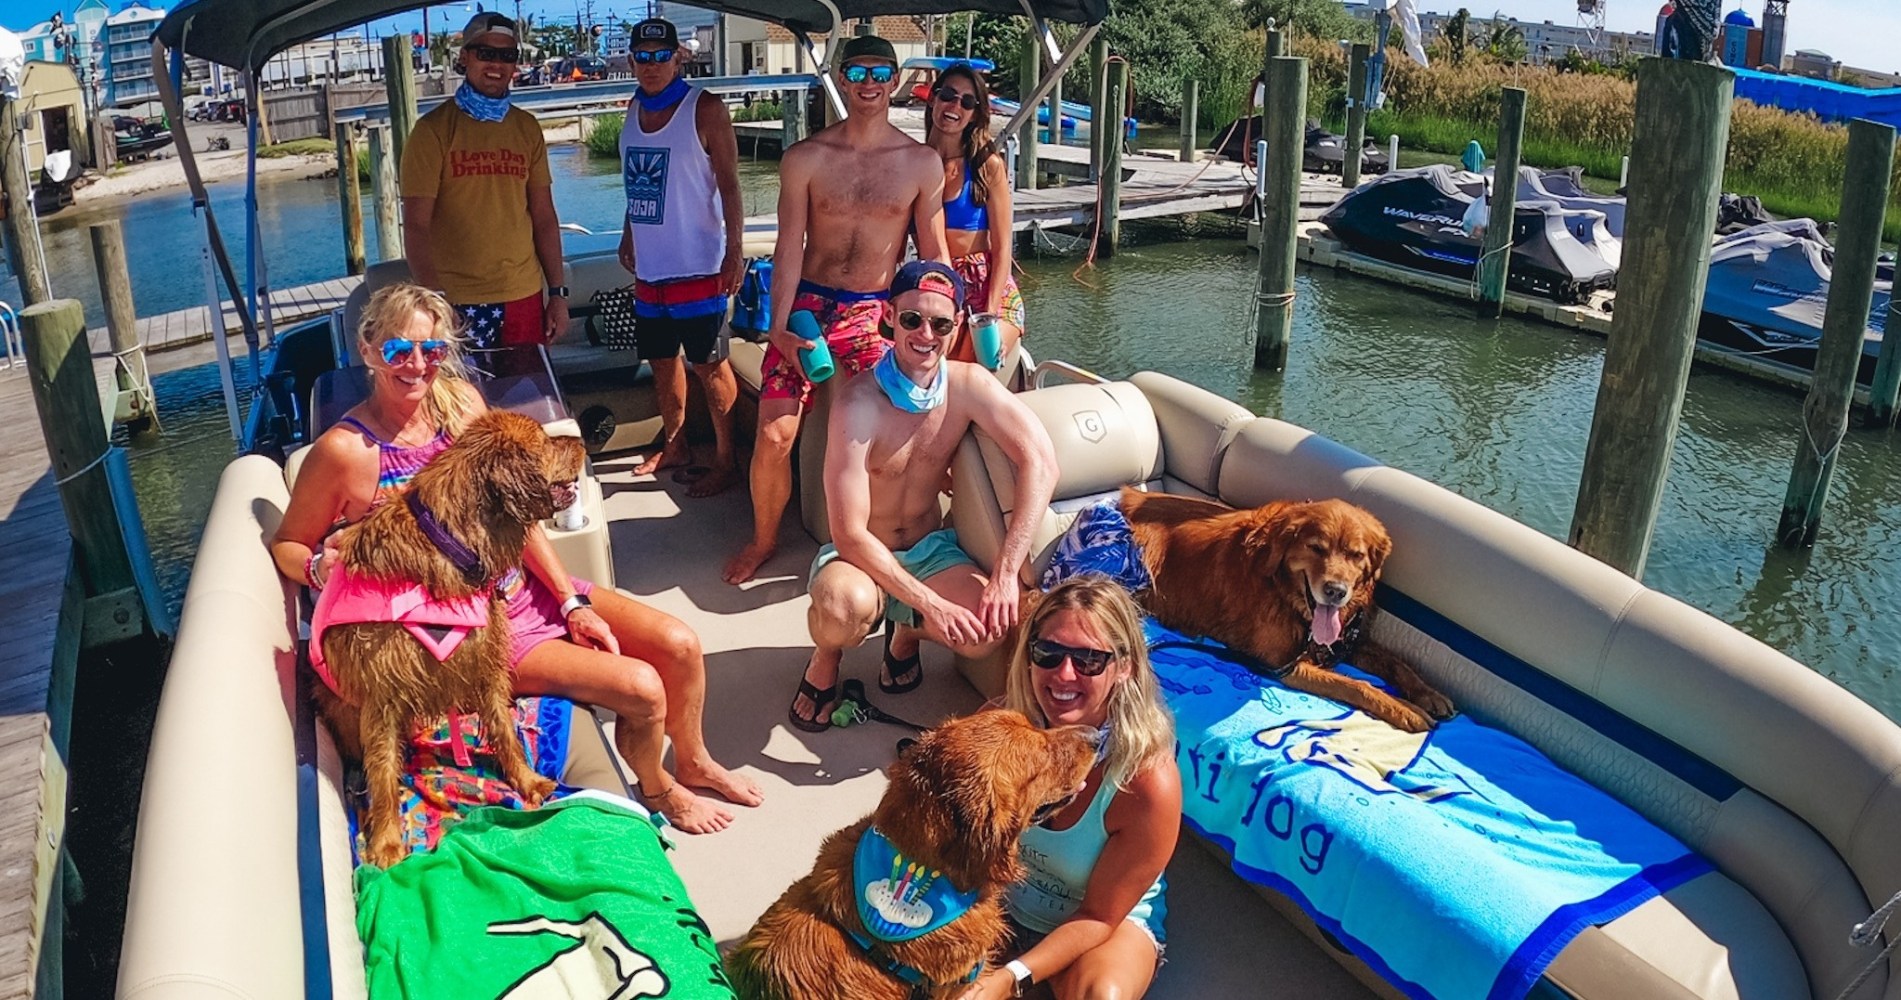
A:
(654, 29)
(930, 276)
(868, 47)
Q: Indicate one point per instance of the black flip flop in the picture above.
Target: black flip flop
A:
(905, 674)
(820, 697)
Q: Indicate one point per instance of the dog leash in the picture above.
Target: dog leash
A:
(855, 707)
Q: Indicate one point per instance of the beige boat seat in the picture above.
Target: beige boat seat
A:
(1537, 639)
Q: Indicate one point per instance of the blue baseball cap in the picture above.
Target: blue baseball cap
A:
(929, 276)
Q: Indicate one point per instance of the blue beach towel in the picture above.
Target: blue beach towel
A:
(1457, 864)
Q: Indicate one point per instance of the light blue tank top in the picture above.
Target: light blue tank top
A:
(1060, 863)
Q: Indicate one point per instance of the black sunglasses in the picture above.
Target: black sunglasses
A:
(1049, 655)
(654, 55)
(489, 53)
(911, 319)
(882, 73)
(946, 95)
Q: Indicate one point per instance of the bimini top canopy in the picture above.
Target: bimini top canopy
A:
(246, 33)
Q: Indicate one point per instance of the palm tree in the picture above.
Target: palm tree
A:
(441, 49)
(1500, 39)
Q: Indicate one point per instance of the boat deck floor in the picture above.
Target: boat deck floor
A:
(1223, 939)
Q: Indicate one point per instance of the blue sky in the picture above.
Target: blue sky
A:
(1858, 32)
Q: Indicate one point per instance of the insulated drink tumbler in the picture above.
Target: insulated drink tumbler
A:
(816, 360)
(986, 337)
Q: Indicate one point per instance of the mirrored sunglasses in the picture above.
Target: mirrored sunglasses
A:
(489, 53)
(881, 73)
(645, 56)
(396, 350)
(911, 319)
(1049, 655)
(946, 95)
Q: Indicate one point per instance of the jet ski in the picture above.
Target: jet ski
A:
(1412, 218)
(1768, 291)
(1323, 152)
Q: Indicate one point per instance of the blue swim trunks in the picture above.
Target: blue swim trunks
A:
(933, 554)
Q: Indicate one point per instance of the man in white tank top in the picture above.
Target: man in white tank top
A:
(681, 240)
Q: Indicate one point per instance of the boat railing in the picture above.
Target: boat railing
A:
(10, 340)
(1046, 370)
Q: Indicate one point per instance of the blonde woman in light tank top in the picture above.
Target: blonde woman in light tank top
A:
(1090, 914)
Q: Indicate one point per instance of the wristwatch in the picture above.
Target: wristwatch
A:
(573, 604)
(558, 292)
(1020, 972)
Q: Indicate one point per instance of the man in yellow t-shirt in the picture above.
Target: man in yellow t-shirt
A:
(478, 202)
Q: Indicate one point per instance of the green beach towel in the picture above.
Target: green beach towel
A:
(575, 899)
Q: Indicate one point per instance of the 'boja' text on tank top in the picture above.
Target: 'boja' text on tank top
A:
(673, 203)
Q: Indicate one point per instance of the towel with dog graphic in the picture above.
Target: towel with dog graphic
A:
(573, 900)
(1456, 863)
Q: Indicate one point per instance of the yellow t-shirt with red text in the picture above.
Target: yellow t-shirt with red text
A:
(479, 174)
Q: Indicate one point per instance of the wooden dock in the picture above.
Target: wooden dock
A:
(40, 605)
(185, 327)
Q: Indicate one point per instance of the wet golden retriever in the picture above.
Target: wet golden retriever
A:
(1289, 584)
(502, 475)
(957, 802)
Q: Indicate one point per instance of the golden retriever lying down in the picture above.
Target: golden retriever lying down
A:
(1289, 584)
(503, 474)
(954, 808)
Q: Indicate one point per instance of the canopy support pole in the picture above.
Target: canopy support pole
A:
(1065, 58)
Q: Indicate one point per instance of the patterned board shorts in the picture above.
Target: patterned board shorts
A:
(975, 270)
(851, 323)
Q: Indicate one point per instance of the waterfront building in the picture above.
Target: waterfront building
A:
(127, 63)
(1814, 63)
(1545, 41)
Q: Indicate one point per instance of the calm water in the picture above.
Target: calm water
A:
(1496, 411)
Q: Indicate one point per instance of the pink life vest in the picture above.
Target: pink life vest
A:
(439, 625)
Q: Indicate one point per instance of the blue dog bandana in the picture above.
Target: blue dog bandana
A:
(905, 394)
(479, 107)
(900, 899)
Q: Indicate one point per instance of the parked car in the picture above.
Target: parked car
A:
(581, 68)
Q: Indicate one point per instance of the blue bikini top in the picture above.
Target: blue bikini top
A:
(963, 212)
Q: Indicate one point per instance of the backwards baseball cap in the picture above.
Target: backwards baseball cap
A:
(654, 29)
(868, 47)
(487, 22)
(929, 276)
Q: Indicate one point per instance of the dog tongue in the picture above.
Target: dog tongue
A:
(1326, 629)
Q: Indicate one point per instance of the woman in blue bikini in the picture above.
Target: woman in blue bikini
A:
(1089, 915)
(977, 215)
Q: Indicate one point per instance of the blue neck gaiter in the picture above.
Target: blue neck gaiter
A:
(668, 97)
(905, 394)
(479, 107)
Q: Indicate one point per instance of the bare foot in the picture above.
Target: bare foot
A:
(741, 567)
(718, 479)
(689, 812)
(712, 777)
(674, 453)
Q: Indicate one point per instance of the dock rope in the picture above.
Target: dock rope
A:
(1865, 935)
(88, 467)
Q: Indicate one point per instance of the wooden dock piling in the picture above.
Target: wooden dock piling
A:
(1494, 266)
(1356, 115)
(399, 83)
(1680, 136)
(1865, 183)
(136, 401)
(1029, 74)
(1056, 111)
(1099, 124)
(1109, 228)
(350, 199)
(1191, 107)
(387, 196)
(1283, 128)
(23, 231)
(1887, 384)
(60, 366)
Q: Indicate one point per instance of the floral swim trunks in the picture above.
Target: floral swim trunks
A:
(975, 270)
(851, 322)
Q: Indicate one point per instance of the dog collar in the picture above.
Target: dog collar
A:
(1326, 656)
(451, 547)
(899, 898)
(921, 984)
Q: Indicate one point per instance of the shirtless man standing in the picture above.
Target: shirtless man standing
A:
(888, 447)
(848, 197)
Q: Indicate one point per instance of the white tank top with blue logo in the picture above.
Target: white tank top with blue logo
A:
(673, 202)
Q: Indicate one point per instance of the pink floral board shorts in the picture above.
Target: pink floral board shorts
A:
(851, 322)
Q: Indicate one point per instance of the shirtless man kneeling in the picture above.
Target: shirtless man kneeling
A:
(889, 444)
(848, 198)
